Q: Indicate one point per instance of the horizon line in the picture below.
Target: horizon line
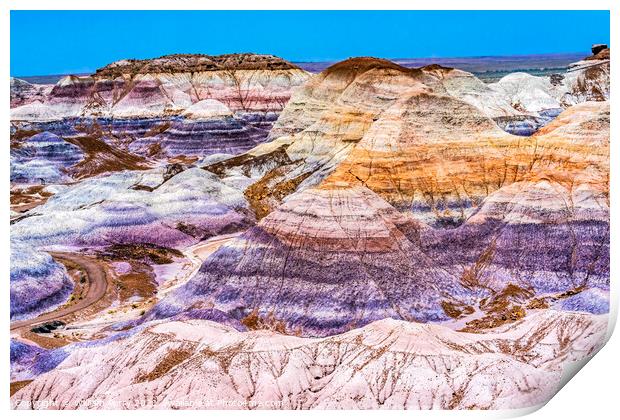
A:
(90, 72)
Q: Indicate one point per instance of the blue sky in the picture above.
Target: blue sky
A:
(58, 42)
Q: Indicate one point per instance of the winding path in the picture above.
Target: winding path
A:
(97, 286)
(98, 279)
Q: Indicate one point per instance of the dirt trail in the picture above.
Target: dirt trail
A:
(97, 281)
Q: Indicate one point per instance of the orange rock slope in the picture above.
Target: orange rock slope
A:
(441, 158)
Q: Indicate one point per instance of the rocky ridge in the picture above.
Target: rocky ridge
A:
(388, 364)
(168, 85)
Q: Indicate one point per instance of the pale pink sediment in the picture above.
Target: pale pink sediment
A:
(388, 364)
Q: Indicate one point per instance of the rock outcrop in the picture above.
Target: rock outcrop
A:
(324, 120)
(588, 83)
(324, 262)
(200, 133)
(333, 112)
(23, 92)
(170, 84)
(174, 107)
(134, 206)
(599, 51)
(43, 159)
(38, 283)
